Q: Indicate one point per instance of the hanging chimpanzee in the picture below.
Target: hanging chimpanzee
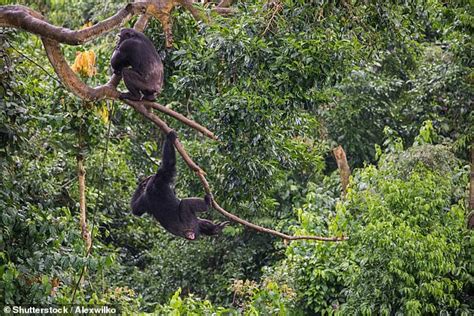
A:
(136, 60)
(155, 196)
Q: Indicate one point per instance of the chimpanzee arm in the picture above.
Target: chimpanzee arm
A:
(167, 170)
(121, 56)
(139, 204)
(118, 62)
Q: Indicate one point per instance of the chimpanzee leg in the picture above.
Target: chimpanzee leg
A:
(207, 227)
(134, 83)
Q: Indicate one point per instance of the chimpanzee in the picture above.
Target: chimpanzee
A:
(155, 196)
(136, 60)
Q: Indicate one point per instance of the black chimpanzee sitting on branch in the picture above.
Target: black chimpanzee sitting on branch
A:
(155, 196)
(135, 59)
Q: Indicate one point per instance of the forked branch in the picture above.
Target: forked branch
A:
(24, 18)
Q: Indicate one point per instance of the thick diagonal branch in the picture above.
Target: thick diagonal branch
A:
(24, 18)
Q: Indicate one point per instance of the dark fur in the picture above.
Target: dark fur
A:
(155, 196)
(136, 60)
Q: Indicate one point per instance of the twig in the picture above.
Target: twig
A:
(278, 8)
(471, 180)
(34, 62)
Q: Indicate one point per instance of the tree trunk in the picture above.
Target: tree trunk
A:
(81, 173)
(343, 167)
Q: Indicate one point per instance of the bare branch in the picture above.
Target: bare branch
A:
(470, 217)
(257, 227)
(181, 118)
(277, 8)
(141, 108)
(24, 18)
(141, 23)
(188, 5)
(223, 7)
(471, 181)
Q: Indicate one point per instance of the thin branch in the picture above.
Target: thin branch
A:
(225, 3)
(34, 62)
(471, 181)
(141, 108)
(71, 80)
(470, 217)
(142, 22)
(181, 118)
(277, 8)
(197, 15)
(222, 7)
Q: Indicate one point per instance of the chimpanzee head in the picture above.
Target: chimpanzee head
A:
(189, 234)
(188, 223)
(127, 33)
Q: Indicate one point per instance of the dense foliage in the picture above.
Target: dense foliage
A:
(280, 83)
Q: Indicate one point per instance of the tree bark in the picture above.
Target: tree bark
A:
(343, 166)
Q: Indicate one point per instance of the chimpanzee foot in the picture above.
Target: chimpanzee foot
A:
(221, 226)
(130, 96)
(149, 97)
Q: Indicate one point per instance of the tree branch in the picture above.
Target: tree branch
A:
(142, 22)
(222, 7)
(470, 217)
(24, 18)
(72, 81)
(181, 118)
